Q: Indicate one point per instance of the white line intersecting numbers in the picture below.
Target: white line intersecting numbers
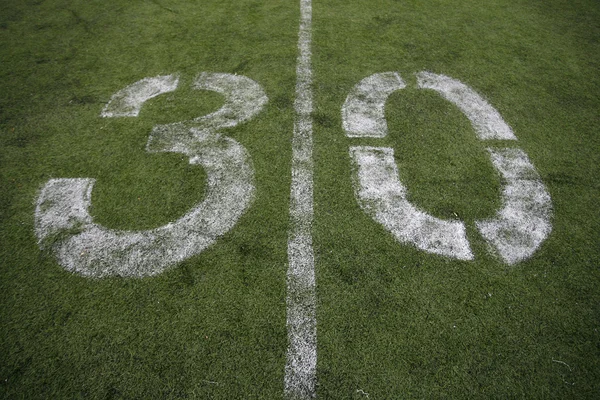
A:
(64, 224)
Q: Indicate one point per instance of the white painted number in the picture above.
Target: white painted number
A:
(62, 216)
(519, 227)
(63, 223)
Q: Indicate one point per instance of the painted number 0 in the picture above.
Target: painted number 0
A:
(93, 250)
(518, 228)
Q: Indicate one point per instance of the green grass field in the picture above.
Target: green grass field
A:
(393, 321)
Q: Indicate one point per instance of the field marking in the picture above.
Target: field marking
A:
(524, 221)
(486, 120)
(301, 362)
(519, 227)
(244, 98)
(382, 196)
(128, 102)
(363, 112)
(63, 222)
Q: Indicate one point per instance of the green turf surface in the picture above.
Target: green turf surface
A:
(393, 321)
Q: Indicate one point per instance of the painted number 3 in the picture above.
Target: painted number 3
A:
(93, 250)
(80, 245)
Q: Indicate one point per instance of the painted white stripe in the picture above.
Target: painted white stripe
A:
(381, 195)
(487, 122)
(523, 223)
(300, 369)
(363, 112)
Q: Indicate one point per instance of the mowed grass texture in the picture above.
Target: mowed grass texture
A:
(393, 321)
(214, 326)
(396, 322)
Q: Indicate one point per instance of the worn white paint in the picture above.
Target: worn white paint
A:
(381, 195)
(524, 221)
(128, 102)
(363, 112)
(519, 227)
(487, 122)
(300, 369)
(62, 220)
(244, 98)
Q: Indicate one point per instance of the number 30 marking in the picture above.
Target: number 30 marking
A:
(62, 216)
(518, 228)
(93, 250)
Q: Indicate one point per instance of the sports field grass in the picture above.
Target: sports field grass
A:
(394, 321)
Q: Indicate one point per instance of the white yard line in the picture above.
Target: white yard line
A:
(300, 369)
